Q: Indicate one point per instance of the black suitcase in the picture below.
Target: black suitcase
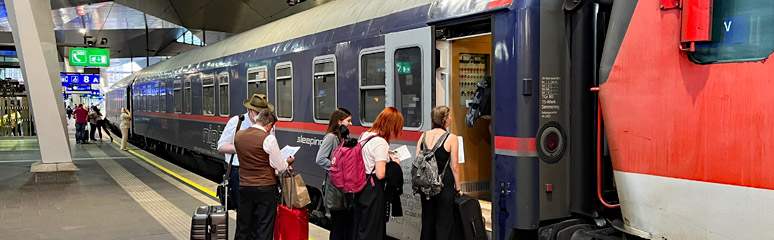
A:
(469, 218)
(209, 223)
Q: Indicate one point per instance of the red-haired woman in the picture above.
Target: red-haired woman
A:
(369, 205)
(340, 217)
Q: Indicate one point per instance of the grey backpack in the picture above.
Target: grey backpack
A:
(426, 178)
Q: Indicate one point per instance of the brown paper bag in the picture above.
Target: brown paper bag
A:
(294, 191)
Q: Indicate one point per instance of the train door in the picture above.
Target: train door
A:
(408, 55)
(408, 87)
(465, 57)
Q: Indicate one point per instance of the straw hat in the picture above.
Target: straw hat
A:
(258, 103)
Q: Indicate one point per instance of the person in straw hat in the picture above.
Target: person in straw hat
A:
(260, 159)
(254, 105)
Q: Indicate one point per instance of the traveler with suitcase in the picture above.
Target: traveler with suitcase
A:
(435, 177)
(260, 156)
(226, 143)
(369, 203)
(341, 218)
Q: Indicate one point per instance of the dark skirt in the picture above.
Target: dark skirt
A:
(368, 211)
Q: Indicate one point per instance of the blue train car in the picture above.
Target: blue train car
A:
(412, 55)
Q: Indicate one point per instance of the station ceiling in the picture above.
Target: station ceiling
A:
(123, 23)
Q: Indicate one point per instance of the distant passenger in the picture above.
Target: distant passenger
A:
(69, 112)
(341, 219)
(81, 119)
(99, 124)
(254, 105)
(438, 211)
(12, 120)
(93, 117)
(126, 122)
(261, 157)
(369, 207)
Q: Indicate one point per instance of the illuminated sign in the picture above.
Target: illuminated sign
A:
(79, 79)
(98, 57)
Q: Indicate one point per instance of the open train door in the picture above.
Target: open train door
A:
(408, 87)
(408, 56)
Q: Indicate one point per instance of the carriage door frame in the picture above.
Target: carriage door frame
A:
(422, 38)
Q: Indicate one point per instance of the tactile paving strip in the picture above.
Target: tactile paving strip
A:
(168, 215)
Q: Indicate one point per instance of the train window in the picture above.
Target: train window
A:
(223, 91)
(162, 96)
(187, 95)
(741, 31)
(177, 93)
(156, 89)
(284, 91)
(208, 96)
(148, 97)
(257, 82)
(324, 88)
(408, 85)
(372, 85)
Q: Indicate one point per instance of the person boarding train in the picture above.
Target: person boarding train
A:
(254, 105)
(370, 203)
(341, 220)
(261, 157)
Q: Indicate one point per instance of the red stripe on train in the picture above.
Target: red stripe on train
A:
(514, 143)
(412, 136)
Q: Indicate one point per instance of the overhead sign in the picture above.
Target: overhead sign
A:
(79, 79)
(98, 57)
(79, 88)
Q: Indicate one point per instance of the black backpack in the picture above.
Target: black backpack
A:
(426, 178)
(481, 104)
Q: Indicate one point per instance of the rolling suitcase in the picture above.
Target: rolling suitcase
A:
(291, 223)
(209, 223)
(469, 218)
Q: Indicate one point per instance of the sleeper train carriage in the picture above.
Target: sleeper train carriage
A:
(535, 158)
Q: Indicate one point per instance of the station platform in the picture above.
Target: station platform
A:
(114, 194)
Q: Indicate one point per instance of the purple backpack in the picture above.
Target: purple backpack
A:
(347, 170)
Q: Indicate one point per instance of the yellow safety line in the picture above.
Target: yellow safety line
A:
(170, 172)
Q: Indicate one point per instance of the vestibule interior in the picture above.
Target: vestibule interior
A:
(467, 61)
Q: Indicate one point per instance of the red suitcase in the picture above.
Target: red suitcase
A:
(291, 224)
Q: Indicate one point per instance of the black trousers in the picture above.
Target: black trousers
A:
(94, 130)
(369, 211)
(341, 224)
(438, 220)
(256, 213)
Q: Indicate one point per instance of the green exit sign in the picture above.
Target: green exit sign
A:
(403, 67)
(97, 57)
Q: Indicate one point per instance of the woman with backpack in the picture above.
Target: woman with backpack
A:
(369, 203)
(341, 119)
(438, 210)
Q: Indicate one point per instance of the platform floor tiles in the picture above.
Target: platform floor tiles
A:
(113, 195)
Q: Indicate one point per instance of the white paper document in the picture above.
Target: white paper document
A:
(288, 151)
(402, 153)
(460, 151)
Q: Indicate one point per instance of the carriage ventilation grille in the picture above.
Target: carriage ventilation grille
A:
(476, 186)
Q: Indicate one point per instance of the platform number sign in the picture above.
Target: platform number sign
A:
(403, 67)
(96, 57)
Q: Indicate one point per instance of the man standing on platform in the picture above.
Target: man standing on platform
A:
(226, 141)
(260, 158)
(81, 119)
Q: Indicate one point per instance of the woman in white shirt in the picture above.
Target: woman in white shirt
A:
(126, 121)
(369, 205)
